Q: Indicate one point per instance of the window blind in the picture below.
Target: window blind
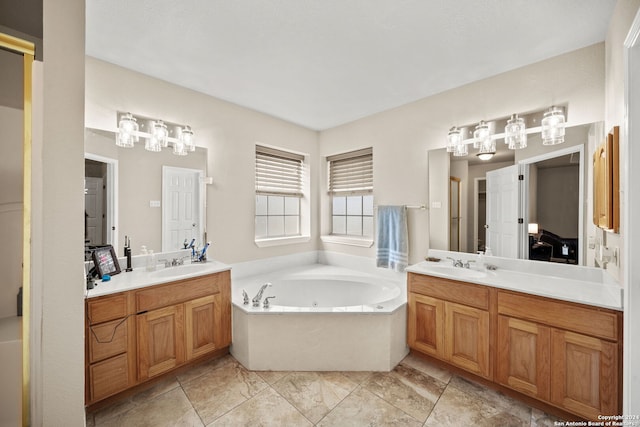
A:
(351, 172)
(278, 172)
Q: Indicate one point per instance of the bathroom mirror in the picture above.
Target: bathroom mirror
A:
(124, 194)
(554, 200)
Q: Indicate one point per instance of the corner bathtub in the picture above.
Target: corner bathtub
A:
(323, 318)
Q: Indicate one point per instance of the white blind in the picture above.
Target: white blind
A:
(278, 172)
(351, 172)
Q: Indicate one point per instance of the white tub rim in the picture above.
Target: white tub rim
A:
(251, 284)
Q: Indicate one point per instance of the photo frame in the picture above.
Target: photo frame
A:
(105, 261)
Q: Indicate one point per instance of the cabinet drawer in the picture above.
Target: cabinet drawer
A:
(178, 292)
(109, 377)
(601, 323)
(107, 339)
(103, 309)
(450, 290)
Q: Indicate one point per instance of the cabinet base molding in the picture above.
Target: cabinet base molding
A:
(549, 409)
(155, 380)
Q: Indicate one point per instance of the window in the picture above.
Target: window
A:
(279, 190)
(351, 188)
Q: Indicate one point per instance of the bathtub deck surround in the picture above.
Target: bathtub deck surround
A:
(551, 333)
(354, 321)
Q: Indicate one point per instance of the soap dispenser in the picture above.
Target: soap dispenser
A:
(480, 261)
(151, 261)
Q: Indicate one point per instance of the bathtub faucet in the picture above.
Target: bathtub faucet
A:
(258, 297)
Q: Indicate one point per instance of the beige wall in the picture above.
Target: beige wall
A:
(57, 358)
(624, 14)
(229, 133)
(401, 137)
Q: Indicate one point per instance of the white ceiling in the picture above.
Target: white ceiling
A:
(322, 63)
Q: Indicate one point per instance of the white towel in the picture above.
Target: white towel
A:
(392, 238)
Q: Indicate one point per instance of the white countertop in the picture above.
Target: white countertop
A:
(583, 285)
(140, 278)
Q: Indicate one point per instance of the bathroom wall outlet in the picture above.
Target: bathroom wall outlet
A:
(436, 205)
(154, 203)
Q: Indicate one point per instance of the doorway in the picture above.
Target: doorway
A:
(454, 213)
(183, 207)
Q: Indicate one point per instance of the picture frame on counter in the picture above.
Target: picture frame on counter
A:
(105, 261)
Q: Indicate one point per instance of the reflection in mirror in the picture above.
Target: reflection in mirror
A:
(454, 212)
(553, 197)
(124, 193)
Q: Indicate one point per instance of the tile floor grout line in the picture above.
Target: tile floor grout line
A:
(191, 403)
(287, 400)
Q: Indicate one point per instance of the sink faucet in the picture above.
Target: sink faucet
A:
(456, 262)
(258, 297)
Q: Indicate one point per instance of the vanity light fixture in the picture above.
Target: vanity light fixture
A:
(454, 138)
(515, 135)
(482, 135)
(553, 125)
(127, 131)
(160, 133)
(549, 122)
(156, 133)
(487, 149)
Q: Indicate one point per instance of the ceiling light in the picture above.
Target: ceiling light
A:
(454, 137)
(553, 125)
(515, 135)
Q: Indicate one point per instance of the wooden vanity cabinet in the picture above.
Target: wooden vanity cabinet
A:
(157, 329)
(109, 367)
(449, 320)
(563, 354)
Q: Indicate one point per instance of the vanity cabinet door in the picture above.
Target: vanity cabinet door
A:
(425, 327)
(160, 340)
(466, 341)
(584, 374)
(203, 317)
(523, 356)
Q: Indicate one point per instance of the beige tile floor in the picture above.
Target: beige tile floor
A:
(223, 393)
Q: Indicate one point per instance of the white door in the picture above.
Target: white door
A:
(94, 212)
(502, 228)
(181, 212)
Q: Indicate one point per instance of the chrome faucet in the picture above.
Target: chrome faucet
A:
(258, 297)
(456, 262)
(468, 263)
(265, 304)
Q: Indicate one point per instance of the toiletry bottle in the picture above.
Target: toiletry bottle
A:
(151, 261)
(480, 261)
(487, 251)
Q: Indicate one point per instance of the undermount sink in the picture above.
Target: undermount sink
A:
(181, 270)
(457, 271)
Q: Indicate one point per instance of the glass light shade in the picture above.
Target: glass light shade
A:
(553, 124)
(533, 228)
(179, 149)
(160, 132)
(186, 137)
(515, 135)
(152, 144)
(454, 137)
(481, 134)
(487, 149)
(127, 131)
(461, 150)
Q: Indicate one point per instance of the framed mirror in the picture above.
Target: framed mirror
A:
(560, 215)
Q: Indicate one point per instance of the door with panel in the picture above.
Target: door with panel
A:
(160, 340)
(425, 328)
(202, 317)
(523, 356)
(584, 374)
(467, 338)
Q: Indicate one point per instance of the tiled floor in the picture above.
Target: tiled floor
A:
(223, 393)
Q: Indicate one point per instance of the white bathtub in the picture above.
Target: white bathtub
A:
(323, 318)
